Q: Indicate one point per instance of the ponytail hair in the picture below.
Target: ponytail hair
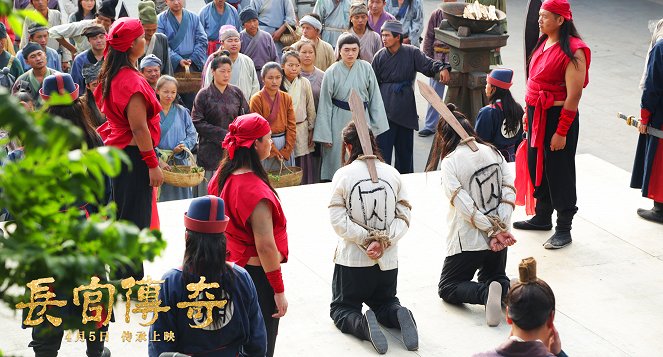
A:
(446, 139)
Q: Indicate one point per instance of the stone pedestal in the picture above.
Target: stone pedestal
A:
(469, 57)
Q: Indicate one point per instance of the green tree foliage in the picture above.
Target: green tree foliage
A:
(50, 235)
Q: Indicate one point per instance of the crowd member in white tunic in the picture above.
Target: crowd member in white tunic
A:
(346, 74)
(479, 186)
(243, 69)
(311, 27)
(370, 41)
(370, 218)
(74, 30)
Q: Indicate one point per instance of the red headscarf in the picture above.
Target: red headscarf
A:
(243, 131)
(559, 7)
(122, 34)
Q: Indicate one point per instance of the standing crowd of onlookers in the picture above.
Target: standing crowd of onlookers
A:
(241, 57)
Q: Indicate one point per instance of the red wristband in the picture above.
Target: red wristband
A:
(276, 281)
(150, 158)
(645, 115)
(566, 118)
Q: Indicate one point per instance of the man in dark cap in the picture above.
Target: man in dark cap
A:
(39, 34)
(6, 59)
(54, 18)
(90, 76)
(396, 66)
(155, 43)
(62, 33)
(96, 36)
(256, 43)
(31, 80)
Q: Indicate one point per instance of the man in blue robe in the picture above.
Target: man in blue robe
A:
(648, 165)
(396, 66)
(186, 37)
(213, 16)
(273, 16)
(96, 35)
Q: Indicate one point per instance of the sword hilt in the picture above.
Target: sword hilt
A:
(630, 120)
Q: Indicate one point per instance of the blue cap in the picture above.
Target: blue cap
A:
(61, 83)
(392, 26)
(248, 14)
(501, 77)
(150, 61)
(206, 215)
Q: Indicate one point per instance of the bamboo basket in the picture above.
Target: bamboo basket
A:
(188, 82)
(279, 179)
(181, 175)
(291, 36)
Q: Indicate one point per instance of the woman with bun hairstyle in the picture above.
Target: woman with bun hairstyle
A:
(530, 310)
(256, 232)
(479, 187)
(132, 112)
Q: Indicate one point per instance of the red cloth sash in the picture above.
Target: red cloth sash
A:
(212, 46)
(523, 181)
(541, 97)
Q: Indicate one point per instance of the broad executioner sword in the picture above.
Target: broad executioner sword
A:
(436, 102)
(632, 121)
(359, 118)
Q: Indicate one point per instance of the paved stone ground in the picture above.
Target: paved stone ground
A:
(607, 283)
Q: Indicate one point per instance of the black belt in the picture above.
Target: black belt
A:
(345, 105)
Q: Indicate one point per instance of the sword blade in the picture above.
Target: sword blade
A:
(436, 102)
(633, 121)
(359, 118)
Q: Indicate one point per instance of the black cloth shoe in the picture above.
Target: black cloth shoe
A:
(408, 329)
(534, 224)
(558, 240)
(424, 133)
(375, 334)
(653, 215)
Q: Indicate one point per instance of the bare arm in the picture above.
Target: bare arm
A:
(575, 80)
(136, 112)
(263, 233)
(270, 258)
